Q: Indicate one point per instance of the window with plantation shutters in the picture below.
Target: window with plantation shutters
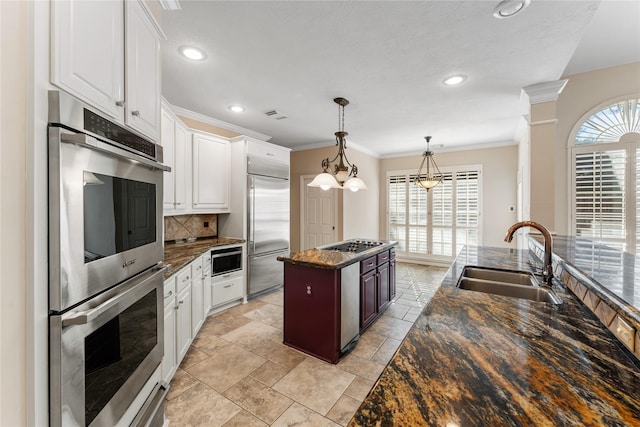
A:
(438, 223)
(605, 183)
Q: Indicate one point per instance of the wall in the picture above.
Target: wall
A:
(582, 93)
(499, 185)
(13, 214)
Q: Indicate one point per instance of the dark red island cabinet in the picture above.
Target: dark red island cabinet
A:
(377, 286)
(326, 309)
(312, 310)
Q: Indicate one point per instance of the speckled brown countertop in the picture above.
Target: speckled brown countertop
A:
(475, 359)
(328, 259)
(180, 254)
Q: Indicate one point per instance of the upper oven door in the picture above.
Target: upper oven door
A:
(105, 218)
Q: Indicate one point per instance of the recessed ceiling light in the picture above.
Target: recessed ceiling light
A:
(454, 80)
(236, 108)
(509, 8)
(193, 53)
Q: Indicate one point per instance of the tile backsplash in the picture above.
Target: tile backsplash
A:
(188, 226)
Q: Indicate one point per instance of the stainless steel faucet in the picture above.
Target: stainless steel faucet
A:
(547, 268)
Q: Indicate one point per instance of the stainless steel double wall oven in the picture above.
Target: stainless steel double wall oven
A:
(105, 265)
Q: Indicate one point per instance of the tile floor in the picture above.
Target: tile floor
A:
(239, 373)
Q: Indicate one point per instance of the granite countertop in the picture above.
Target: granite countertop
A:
(177, 255)
(328, 259)
(480, 359)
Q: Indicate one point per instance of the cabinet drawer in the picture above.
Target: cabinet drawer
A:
(226, 290)
(196, 267)
(183, 279)
(392, 253)
(169, 291)
(368, 264)
(383, 257)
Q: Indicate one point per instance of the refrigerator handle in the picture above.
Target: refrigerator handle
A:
(252, 214)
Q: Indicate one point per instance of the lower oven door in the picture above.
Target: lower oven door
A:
(103, 352)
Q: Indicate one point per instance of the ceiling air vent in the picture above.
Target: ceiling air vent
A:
(275, 114)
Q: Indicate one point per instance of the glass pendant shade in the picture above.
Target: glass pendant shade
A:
(428, 183)
(325, 181)
(354, 184)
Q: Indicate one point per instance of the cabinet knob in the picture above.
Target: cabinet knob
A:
(120, 103)
(135, 113)
(308, 289)
(169, 294)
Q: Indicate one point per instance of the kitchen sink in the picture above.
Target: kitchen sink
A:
(515, 284)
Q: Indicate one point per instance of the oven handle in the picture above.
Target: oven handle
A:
(86, 316)
(223, 254)
(88, 141)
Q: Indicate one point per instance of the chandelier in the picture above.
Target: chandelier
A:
(433, 176)
(344, 174)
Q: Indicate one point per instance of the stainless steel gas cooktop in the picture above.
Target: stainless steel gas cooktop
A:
(354, 246)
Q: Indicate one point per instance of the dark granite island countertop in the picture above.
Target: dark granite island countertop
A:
(331, 259)
(476, 359)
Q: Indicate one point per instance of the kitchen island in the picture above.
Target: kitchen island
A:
(334, 292)
(474, 359)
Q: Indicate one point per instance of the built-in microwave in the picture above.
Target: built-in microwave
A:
(226, 260)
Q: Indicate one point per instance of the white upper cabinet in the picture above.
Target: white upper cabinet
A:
(180, 174)
(87, 58)
(211, 157)
(167, 139)
(143, 70)
(107, 53)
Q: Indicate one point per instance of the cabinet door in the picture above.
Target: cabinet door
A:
(197, 307)
(180, 170)
(183, 322)
(392, 279)
(383, 286)
(206, 291)
(211, 158)
(167, 139)
(87, 52)
(169, 359)
(142, 71)
(368, 305)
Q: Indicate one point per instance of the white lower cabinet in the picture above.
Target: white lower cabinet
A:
(169, 362)
(226, 288)
(197, 297)
(183, 314)
(206, 286)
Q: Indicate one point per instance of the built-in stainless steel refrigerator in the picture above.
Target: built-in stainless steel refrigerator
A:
(267, 223)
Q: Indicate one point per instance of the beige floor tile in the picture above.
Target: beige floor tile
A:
(192, 357)
(269, 314)
(362, 367)
(231, 317)
(275, 298)
(258, 399)
(359, 388)
(180, 382)
(245, 419)
(386, 351)
(343, 410)
(226, 367)
(200, 406)
(269, 373)
(217, 327)
(279, 353)
(368, 344)
(315, 384)
(252, 334)
(397, 310)
(209, 343)
(391, 327)
(299, 416)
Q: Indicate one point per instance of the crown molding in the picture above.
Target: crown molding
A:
(543, 92)
(453, 148)
(219, 123)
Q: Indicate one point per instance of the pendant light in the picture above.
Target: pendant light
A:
(344, 174)
(433, 176)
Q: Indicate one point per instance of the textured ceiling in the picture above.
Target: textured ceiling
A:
(387, 57)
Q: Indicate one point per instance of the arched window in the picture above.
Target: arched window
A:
(605, 155)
